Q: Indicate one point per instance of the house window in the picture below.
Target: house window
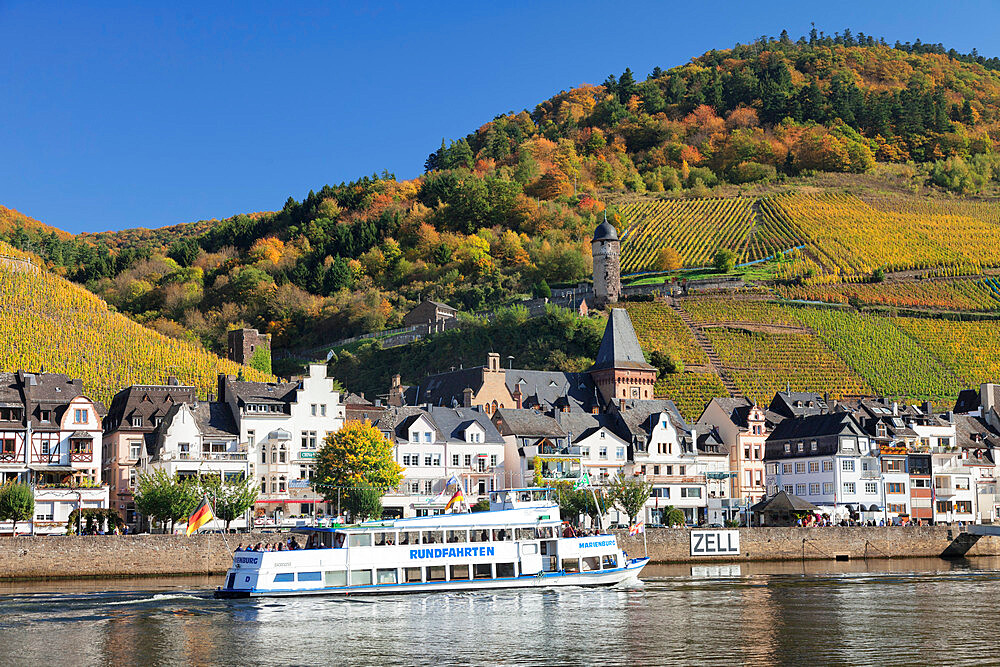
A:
(493, 460)
(962, 483)
(814, 489)
(894, 487)
(428, 459)
(746, 453)
(251, 438)
(585, 452)
(406, 460)
(828, 488)
(897, 508)
(945, 442)
(828, 465)
(814, 466)
(281, 484)
(136, 421)
(849, 487)
(690, 492)
(135, 450)
(281, 455)
(45, 415)
(437, 459)
(789, 489)
(786, 468)
(185, 449)
(427, 437)
(314, 407)
(468, 460)
(788, 448)
(428, 486)
(263, 455)
(414, 487)
(800, 467)
(812, 446)
(414, 436)
(847, 465)
(322, 410)
(81, 416)
(963, 506)
(800, 489)
(132, 477)
(454, 460)
(681, 470)
(602, 453)
(871, 488)
(756, 453)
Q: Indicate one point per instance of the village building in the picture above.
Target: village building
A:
(244, 343)
(533, 438)
(50, 438)
(439, 449)
(980, 443)
(885, 423)
(282, 426)
(827, 460)
(743, 427)
(433, 314)
(198, 440)
(620, 370)
(134, 415)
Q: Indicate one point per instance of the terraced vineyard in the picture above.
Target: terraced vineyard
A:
(660, 328)
(976, 294)
(848, 239)
(48, 321)
(891, 362)
(764, 363)
(690, 391)
(695, 228)
(969, 349)
(721, 311)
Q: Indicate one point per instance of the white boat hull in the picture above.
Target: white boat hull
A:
(629, 573)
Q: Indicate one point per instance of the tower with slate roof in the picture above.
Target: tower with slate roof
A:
(607, 264)
(620, 371)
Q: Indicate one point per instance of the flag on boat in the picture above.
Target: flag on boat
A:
(637, 528)
(453, 480)
(457, 498)
(201, 515)
(582, 482)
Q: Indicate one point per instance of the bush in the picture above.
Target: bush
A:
(725, 260)
(749, 172)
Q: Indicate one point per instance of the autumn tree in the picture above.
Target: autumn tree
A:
(668, 259)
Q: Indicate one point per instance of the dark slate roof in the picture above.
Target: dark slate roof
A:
(975, 433)
(397, 419)
(215, 420)
(10, 392)
(620, 346)
(452, 422)
(635, 417)
(580, 424)
(356, 400)
(446, 389)
(553, 389)
(605, 232)
(144, 401)
(785, 403)
(710, 443)
(441, 305)
(528, 423)
(263, 392)
(968, 401)
(815, 426)
(784, 502)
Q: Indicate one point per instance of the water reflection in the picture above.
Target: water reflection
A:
(879, 612)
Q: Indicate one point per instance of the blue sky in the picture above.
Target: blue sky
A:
(120, 115)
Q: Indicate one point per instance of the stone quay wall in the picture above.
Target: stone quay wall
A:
(673, 545)
(85, 556)
(154, 555)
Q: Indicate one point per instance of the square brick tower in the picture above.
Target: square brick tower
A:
(243, 343)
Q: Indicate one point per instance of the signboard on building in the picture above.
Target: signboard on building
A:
(307, 455)
(715, 542)
(298, 484)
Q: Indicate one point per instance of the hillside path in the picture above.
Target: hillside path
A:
(713, 359)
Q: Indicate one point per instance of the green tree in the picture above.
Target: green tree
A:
(482, 505)
(261, 359)
(17, 503)
(725, 260)
(355, 457)
(165, 498)
(673, 516)
(629, 495)
(230, 500)
(363, 502)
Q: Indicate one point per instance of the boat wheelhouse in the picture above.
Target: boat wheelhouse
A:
(518, 543)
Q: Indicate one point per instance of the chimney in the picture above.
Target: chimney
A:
(517, 396)
(895, 409)
(986, 397)
(621, 404)
(211, 397)
(493, 362)
(172, 381)
(467, 397)
(950, 417)
(928, 408)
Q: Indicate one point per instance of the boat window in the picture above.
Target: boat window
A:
(459, 572)
(505, 570)
(455, 536)
(591, 563)
(610, 561)
(336, 578)
(501, 534)
(409, 537)
(525, 533)
(338, 540)
(284, 577)
(412, 574)
(436, 573)
(359, 540)
(479, 536)
(528, 549)
(310, 576)
(385, 576)
(482, 571)
(433, 537)
(545, 533)
(571, 565)
(361, 577)
(382, 539)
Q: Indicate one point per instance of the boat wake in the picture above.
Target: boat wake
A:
(159, 597)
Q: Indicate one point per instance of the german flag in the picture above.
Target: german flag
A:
(202, 515)
(457, 498)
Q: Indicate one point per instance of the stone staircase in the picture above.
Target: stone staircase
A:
(713, 359)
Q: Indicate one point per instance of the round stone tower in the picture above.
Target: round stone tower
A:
(607, 264)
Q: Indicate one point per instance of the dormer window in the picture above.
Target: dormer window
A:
(157, 421)
(45, 415)
(137, 422)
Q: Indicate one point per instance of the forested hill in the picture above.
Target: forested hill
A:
(508, 210)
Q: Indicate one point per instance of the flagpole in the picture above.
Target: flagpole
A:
(645, 547)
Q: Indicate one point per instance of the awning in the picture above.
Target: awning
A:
(291, 500)
(49, 468)
(874, 508)
(81, 435)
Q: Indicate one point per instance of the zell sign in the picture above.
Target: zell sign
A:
(715, 542)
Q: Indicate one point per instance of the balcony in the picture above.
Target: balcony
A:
(213, 456)
(560, 474)
(553, 450)
(945, 491)
(674, 479)
(871, 474)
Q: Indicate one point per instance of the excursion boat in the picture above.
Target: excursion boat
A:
(517, 544)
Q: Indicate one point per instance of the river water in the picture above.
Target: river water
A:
(901, 612)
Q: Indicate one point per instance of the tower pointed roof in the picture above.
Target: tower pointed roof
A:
(620, 346)
(605, 231)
